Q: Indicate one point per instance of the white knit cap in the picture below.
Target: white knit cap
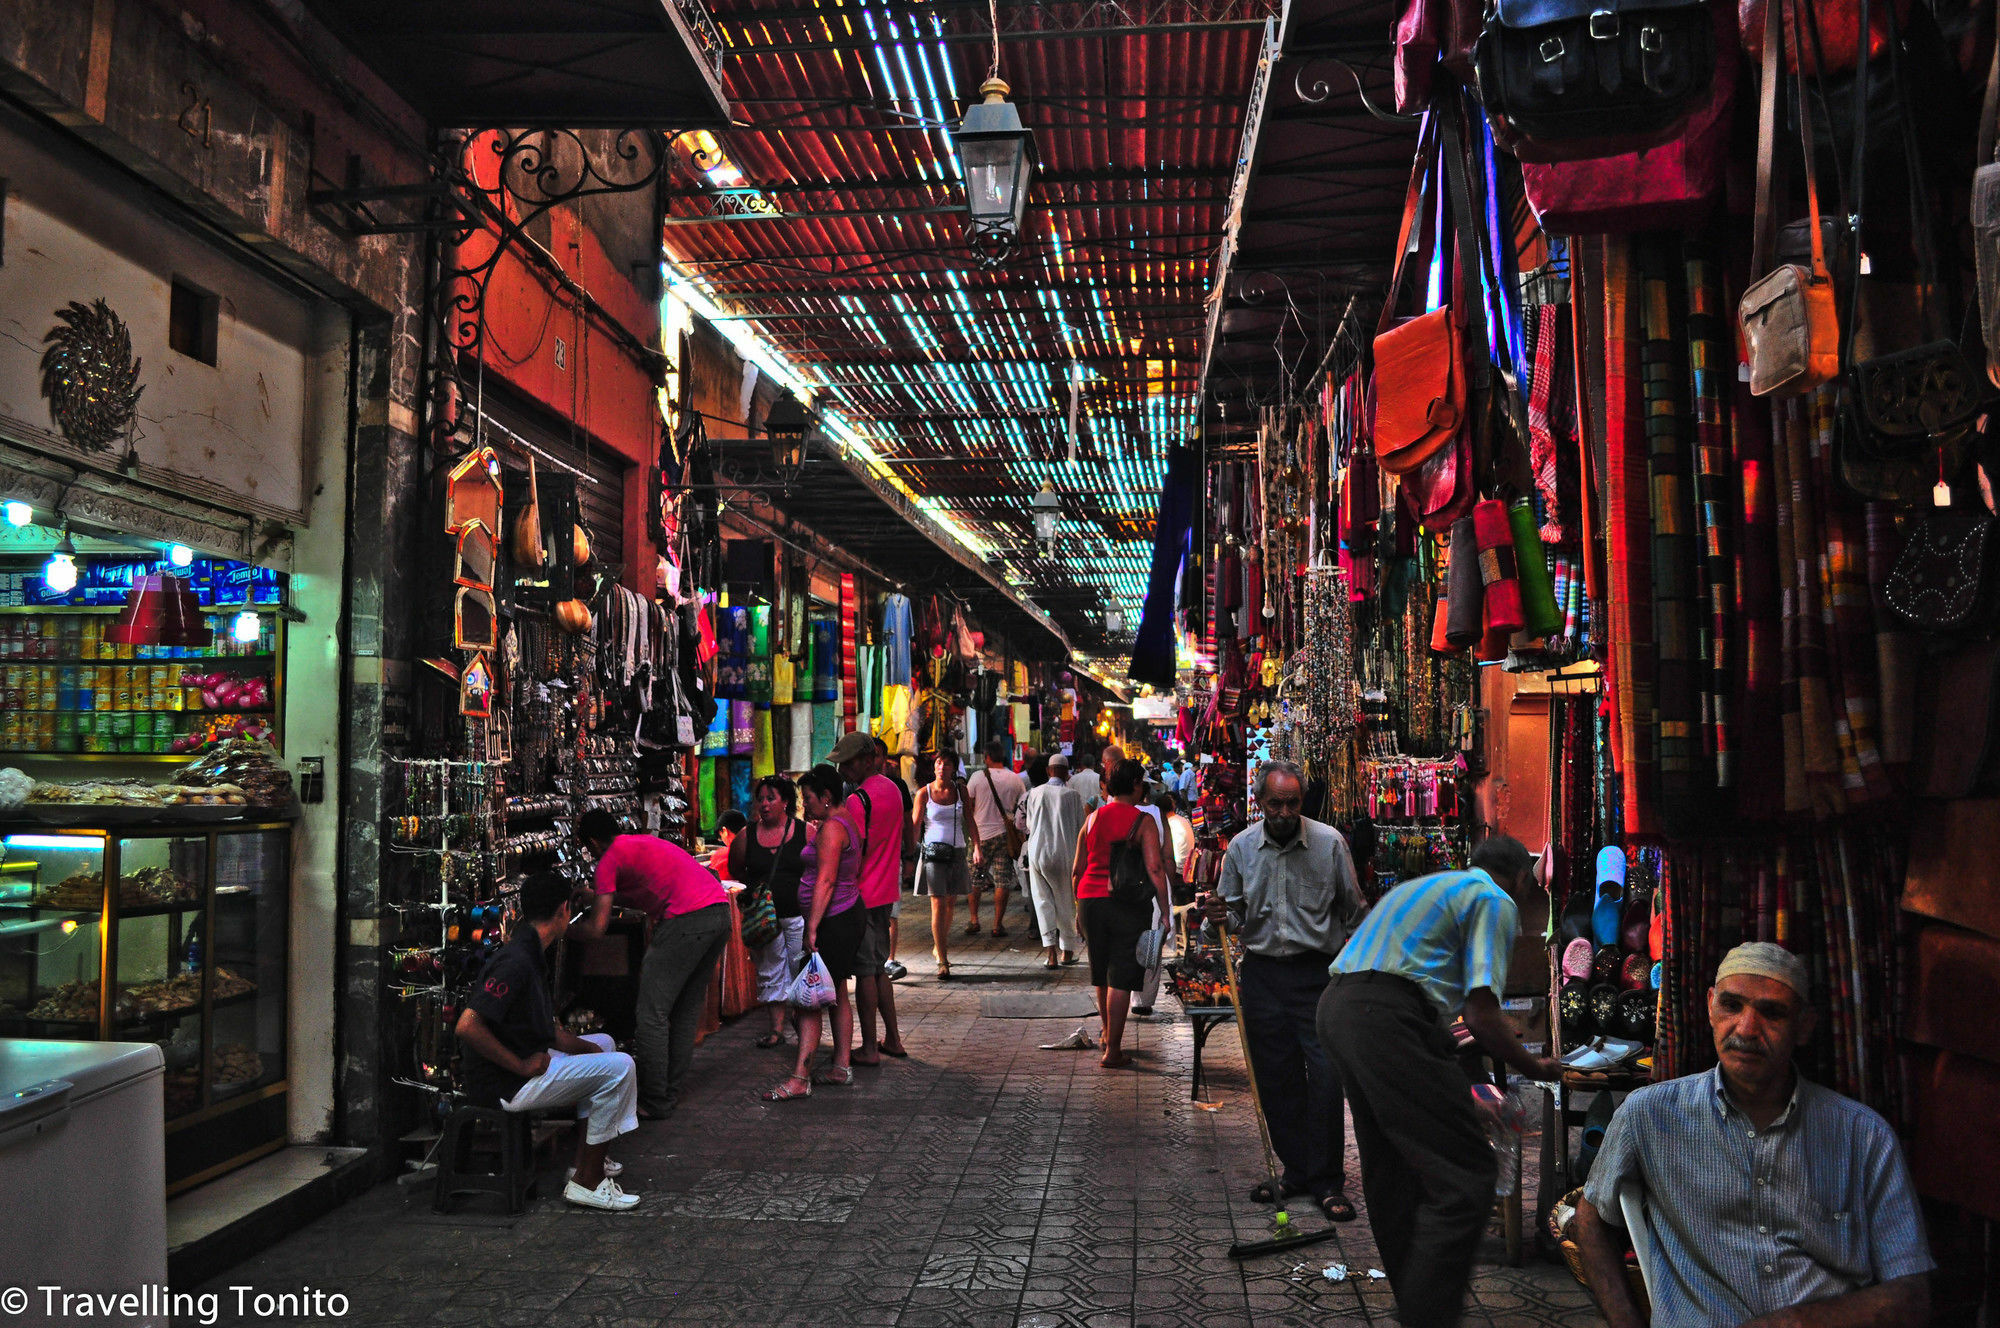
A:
(1765, 959)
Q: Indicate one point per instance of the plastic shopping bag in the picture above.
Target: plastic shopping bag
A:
(813, 988)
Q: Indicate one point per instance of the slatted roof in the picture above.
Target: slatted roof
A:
(834, 230)
(1326, 164)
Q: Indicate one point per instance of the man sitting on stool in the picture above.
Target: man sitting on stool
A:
(1773, 1202)
(518, 1058)
(1288, 888)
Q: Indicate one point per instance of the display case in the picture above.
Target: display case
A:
(192, 925)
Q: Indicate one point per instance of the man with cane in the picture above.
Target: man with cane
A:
(1288, 890)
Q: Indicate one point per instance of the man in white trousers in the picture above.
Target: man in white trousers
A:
(518, 1058)
(1055, 815)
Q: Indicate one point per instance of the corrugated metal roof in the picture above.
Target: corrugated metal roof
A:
(1323, 193)
(842, 243)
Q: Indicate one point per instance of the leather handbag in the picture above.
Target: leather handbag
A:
(1942, 581)
(1789, 325)
(1672, 186)
(1911, 402)
(1553, 74)
(1986, 220)
(1430, 33)
(1419, 388)
(759, 913)
(1960, 713)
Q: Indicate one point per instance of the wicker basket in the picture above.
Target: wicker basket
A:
(1573, 1256)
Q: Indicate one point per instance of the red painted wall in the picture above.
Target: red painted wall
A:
(601, 385)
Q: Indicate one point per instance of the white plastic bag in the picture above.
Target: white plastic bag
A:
(813, 988)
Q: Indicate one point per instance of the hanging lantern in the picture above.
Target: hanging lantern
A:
(787, 427)
(1047, 508)
(997, 154)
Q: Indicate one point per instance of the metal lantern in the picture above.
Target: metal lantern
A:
(787, 427)
(1046, 507)
(1114, 622)
(997, 154)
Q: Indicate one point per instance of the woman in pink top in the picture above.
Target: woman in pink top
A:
(830, 898)
(690, 915)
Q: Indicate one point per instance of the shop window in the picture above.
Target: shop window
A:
(191, 321)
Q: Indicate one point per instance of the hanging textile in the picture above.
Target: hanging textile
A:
(1153, 653)
(741, 727)
(763, 758)
(1711, 370)
(800, 747)
(896, 634)
(850, 626)
(1629, 564)
(705, 794)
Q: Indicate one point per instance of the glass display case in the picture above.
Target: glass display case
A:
(192, 925)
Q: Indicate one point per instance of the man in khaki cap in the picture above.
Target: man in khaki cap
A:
(1769, 1200)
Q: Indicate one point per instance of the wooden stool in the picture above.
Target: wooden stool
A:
(514, 1181)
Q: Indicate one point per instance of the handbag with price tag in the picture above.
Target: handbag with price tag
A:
(1789, 324)
(1943, 578)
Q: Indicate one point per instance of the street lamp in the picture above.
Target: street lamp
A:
(1046, 507)
(997, 154)
(787, 426)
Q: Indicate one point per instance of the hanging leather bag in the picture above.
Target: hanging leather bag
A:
(1838, 48)
(1943, 579)
(1420, 382)
(1553, 74)
(1986, 220)
(1787, 315)
(1910, 403)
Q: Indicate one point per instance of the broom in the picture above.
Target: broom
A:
(1287, 1236)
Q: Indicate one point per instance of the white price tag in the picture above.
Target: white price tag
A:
(1941, 494)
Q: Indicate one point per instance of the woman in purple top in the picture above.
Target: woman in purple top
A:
(830, 899)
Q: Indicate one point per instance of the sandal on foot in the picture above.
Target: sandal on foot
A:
(999, 931)
(836, 1076)
(785, 1092)
(770, 1040)
(1261, 1192)
(972, 928)
(1336, 1207)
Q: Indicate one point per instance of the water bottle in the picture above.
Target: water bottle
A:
(191, 952)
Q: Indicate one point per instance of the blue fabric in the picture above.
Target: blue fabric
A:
(1154, 659)
(1749, 1222)
(896, 629)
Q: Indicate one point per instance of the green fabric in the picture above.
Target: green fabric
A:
(705, 795)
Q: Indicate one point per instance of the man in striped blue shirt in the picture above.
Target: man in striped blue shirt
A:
(1433, 948)
(1770, 1200)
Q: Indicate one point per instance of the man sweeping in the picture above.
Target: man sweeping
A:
(1432, 948)
(1288, 890)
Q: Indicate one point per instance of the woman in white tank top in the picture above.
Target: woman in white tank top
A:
(944, 870)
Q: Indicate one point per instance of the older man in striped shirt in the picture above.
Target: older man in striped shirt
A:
(1770, 1200)
(1433, 948)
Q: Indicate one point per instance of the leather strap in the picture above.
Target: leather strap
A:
(1819, 269)
(1857, 202)
(1923, 224)
(1764, 239)
(1989, 113)
(1413, 197)
(1468, 311)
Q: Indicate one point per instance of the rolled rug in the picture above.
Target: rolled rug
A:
(1497, 571)
(1539, 614)
(1464, 592)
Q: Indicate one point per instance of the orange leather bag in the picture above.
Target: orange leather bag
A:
(1420, 369)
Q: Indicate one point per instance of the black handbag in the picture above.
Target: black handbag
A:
(1943, 580)
(1579, 69)
(939, 852)
(1906, 413)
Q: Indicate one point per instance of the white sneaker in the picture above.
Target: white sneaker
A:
(610, 1169)
(607, 1196)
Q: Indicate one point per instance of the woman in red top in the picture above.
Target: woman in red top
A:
(1111, 930)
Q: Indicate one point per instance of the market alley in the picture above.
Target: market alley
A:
(981, 1182)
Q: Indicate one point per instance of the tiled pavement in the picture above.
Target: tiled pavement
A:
(981, 1182)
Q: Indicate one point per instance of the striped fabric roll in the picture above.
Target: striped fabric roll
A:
(1629, 559)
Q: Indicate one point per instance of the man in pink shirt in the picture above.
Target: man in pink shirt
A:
(690, 915)
(877, 806)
